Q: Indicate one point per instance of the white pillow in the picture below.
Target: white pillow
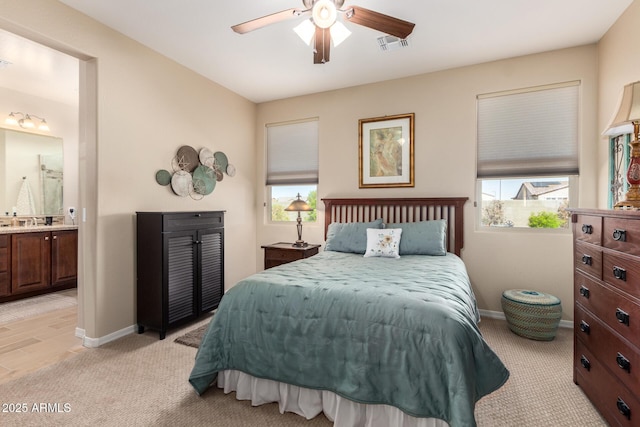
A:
(383, 242)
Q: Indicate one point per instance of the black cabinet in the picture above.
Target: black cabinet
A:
(180, 267)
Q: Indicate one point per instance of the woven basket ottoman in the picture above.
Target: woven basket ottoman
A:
(532, 314)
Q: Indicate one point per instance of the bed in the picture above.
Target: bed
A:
(373, 331)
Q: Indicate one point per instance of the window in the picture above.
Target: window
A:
(292, 167)
(527, 163)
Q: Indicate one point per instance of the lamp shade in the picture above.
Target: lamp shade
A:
(298, 206)
(628, 111)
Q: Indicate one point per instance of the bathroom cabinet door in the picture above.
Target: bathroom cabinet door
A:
(64, 257)
(30, 261)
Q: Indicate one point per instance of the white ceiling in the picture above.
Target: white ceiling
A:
(272, 62)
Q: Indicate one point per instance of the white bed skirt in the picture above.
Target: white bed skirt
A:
(309, 403)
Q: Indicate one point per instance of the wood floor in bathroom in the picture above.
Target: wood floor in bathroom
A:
(33, 343)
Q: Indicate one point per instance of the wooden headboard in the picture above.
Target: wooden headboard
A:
(401, 210)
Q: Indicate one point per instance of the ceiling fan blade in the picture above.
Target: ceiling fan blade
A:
(254, 24)
(322, 46)
(379, 21)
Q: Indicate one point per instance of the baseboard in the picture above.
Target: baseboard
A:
(97, 342)
(500, 315)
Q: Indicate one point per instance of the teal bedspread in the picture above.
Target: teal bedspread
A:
(400, 332)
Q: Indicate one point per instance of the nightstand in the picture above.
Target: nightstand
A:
(282, 253)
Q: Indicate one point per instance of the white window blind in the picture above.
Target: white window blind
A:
(533, 132)
(292, 153)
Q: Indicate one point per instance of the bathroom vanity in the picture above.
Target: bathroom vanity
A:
(37, 259)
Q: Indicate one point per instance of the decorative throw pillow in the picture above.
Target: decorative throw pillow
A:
(423, 238)
(383, 242)
(349, 237)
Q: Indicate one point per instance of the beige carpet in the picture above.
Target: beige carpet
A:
(28, 307)
(142, 381)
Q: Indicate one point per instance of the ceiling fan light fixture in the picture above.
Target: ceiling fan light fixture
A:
(324, 13)
(339, 33)
(305, 30)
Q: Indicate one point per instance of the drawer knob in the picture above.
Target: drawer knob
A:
(623, 362)
(585, 362)
(624, 408)
(587, 229)
(622, 316)
(620, 235)
(587, 260)
(584, 291)
(620, 273)
(584, 327)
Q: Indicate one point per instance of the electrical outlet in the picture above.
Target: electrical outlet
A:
(72, 213)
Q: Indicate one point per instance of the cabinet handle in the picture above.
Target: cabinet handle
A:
(585, 363)
(623, 362)
(584, 291)
(198, 215)
(584, 327)
(620, 235)
(623, 408)
(587, 260)
(55, 237)
(622, 316)
(620, 273)
(46, 237)
(587, 229)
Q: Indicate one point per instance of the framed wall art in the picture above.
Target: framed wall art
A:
(386, 153)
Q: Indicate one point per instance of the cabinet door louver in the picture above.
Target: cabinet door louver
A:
(211, 270)
(181, 277)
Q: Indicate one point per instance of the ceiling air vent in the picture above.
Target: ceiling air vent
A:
(391, 43)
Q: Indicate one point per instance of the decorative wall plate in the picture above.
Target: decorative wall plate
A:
(181, 183)
(204, 180)
(221, 160)
(188, 158)
(163, 177)
(206, 157)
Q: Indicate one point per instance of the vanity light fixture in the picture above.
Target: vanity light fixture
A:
(26, 121)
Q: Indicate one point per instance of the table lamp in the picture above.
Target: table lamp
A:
(629, 114)
(299, 205)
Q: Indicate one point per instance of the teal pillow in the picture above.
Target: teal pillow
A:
(349, 236)
(422, 238)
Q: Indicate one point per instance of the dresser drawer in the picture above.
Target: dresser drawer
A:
(622, 271)
(282, 255)
(615, 402)
(588, 228)
(613, 352)
(621, 235)
(588, 258)
(193, 220)
(620, 313)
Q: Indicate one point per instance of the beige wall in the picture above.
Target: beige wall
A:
(145, 107)
(135, 83)
(445, 148)
(619, 65)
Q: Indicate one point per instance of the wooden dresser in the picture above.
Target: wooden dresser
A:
(607, 311)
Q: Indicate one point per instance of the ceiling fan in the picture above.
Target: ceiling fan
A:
(322, 25)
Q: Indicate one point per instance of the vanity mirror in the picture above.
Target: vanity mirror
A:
(31, 170)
